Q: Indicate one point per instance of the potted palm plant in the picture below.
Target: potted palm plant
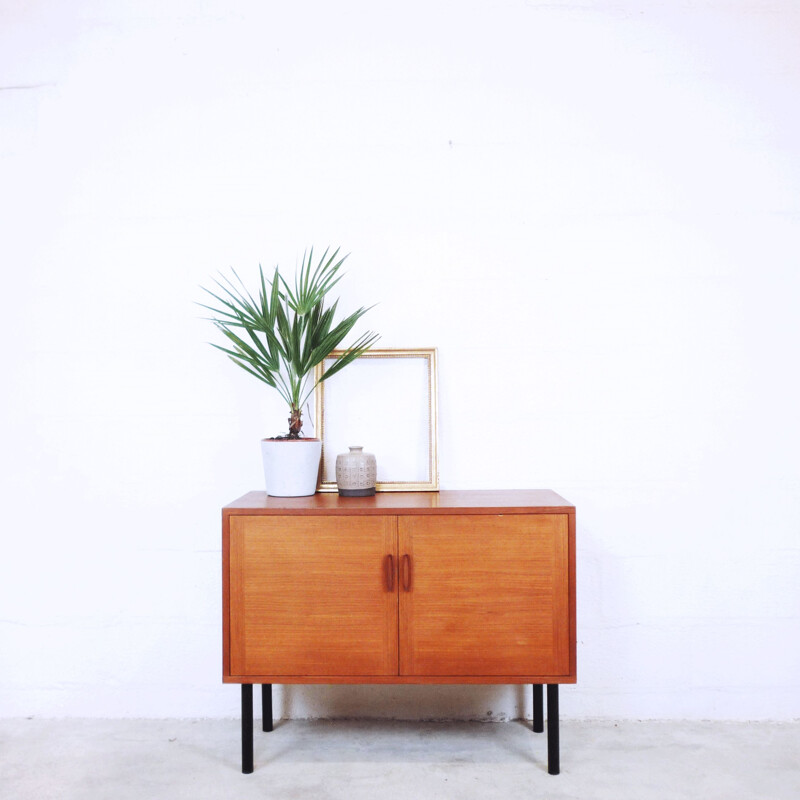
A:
(279, 337)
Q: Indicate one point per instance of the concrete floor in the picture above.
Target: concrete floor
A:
(324, 760)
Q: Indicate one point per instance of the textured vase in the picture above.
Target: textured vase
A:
(291, 466)
(355, 473)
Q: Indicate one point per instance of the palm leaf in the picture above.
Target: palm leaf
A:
(280, 335)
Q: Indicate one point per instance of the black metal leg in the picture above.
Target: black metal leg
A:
(538, 710)
(553, 758)
(247, 728)
(266, 707)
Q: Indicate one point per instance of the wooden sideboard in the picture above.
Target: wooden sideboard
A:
(406, 587)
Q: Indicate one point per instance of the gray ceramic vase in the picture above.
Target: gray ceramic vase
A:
(356, 472)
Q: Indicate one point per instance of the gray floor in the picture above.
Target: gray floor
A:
(322, 760)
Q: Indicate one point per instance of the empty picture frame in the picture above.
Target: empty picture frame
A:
(384, 401)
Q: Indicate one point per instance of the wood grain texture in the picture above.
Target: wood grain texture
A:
(573, 605)
(309, 596)
(489, 595)
(313, 588)
(527, 501)
(418, 680)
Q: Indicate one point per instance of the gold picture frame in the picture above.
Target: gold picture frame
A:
(385, 401)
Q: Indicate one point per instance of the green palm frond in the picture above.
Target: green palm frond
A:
(280, 335)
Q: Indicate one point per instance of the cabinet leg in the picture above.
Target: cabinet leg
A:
(553, 757)
(266, 706)
(538, 708)
(247, 728)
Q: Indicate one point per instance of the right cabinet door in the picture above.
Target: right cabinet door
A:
(484, 595)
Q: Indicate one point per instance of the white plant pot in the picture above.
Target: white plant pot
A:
(291, 466)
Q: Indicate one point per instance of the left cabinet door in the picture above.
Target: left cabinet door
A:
(312, 596)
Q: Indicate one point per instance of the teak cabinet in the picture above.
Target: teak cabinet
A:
(417, 587)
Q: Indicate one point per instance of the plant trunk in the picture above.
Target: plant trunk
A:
(295, 423)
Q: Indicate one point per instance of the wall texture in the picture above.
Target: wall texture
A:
(591, 208)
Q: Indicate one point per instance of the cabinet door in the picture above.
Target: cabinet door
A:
(484, 595)
(311, 596)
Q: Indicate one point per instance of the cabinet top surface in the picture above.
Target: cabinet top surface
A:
(523, 501)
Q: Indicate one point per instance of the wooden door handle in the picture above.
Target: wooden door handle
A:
(390, 572)
(406, 570)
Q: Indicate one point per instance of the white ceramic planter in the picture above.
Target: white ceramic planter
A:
(291, 466)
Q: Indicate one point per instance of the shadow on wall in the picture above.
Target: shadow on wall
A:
(406, 702)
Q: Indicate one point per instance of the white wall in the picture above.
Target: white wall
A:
(591, 208)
